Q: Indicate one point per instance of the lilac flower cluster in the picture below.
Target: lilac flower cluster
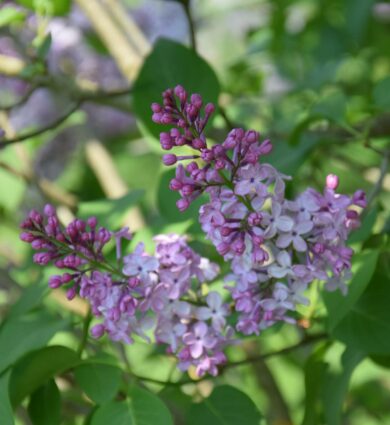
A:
(276, 247)
(161, 294)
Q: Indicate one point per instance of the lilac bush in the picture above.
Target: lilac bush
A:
(275, 247)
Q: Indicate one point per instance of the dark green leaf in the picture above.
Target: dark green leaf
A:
(44, 407)
(339, 305)
(100, 382)
(367, 326)
(332, 106)
(142, 408)
(37, 367)
(6, 413)
(381, 94)
(336, 385)
(44, 48)
(315, 368)
(168, 65)
(365, 229)
(22, 334)
(225, 406)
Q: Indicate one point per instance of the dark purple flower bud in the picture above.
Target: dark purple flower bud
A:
(188, 189)
(166, 141)
(266, 147)
(180, 141)
(55, 281)
(42, 258)
(181, 93)
(209, 109)
(182, 204)
(359, 198)
(196, 100)
(35, 216)
(192, 112)
(169, 159)
(251, 136)
(254, 219)
(97, 331)
(71, 292)
(59, 263)
(92, 222)
(207, 155)
(156, 108)
(37, 243)
(198, 143)
(26, 237)
(319, 248)
(49, 210)
(66, 278)
(157, 118)
(192, 166)
(26, 224)
(175, 184)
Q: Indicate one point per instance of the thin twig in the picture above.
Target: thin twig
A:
(306, 341)
(44, 129)
(191, 25)
(86, 324)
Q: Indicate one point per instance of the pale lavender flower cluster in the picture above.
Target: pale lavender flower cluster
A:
(276, 247)
(146, 295)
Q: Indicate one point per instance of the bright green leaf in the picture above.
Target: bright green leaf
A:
(168, 65)
(51, 7)
(225, 406)
(22, 334)
(9, 15)
(332, 106)
(37, 367)
(44, 407)
(142, 408)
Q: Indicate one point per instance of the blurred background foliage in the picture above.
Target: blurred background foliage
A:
(76, 82)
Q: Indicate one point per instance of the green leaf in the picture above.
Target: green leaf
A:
(22, 334)
(336, 385)
(225, 406)
(30, 298)
(365, 230)
(367, 326)
(110, 212)
(315, 368)
(9, 15)
(44, 48)
(100, 382)
(168, 65)
(37, 367)
(51, 7)
(44, 407)
(296, 134)
(339, 305)
(142, 408)
(6, 413)
(381, 94)
(331, 106)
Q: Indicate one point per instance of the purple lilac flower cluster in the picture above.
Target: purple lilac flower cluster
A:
(276, 247)
(160, 294)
